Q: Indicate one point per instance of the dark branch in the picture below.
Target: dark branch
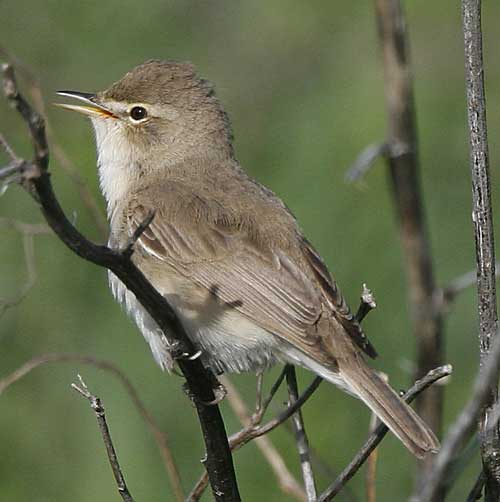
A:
(56, 150)
(482, 218)
(200, 381)
(301, 436)
(96, 405)
(255, 430)
(477, 490)
(379, 433)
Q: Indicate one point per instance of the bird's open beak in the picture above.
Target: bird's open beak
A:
(92, 108)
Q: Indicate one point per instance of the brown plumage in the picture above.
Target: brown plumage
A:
(223, 249)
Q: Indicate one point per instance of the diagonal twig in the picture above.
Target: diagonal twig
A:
(301, 436)
(28, 231)
(60, 155)
(447, 294)
(285, 478)
(255, 430)
(477, 490)
(376, 437)
(462, 427)
(141, 228)
(159, 436)
(96, 405)
(365, 161)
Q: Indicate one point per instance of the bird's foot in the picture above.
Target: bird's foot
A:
(219, 394)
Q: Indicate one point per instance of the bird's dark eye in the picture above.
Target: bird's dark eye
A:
(138, 113)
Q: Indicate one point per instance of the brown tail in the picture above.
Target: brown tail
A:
(365, 383)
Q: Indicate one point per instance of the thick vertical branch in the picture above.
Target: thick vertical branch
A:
(405, 181)
(483, 230)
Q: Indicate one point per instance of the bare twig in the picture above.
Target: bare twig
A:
(371, 466)
(262, 408)
(301, 436)
(446, 295)
(482, 218)
(462, 427)
(58, 151)
(159, 436)
(96, 405)
(285, 478)
(405, 181)
(477, 490)
(321, 466)
(254, 430)
(365, 161)
(243, 437)
(366, 305)
(8, 149)
(28, 231)
(379, 433)
(141, 228)
(200, 381)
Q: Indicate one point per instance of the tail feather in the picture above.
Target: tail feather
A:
(367, 384)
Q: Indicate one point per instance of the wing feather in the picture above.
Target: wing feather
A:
(266, 286)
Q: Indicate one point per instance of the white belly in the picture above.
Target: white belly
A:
(228, 340)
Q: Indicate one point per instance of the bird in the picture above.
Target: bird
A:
(225, 251)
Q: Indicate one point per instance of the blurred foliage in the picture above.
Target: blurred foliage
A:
(302, 82)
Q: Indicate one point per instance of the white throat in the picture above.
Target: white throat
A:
(117, 161)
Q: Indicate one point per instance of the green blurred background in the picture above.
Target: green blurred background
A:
(302, 82)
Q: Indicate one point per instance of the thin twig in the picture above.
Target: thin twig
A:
(379, 433)
(257, 418)
(447, 294)
(365, 160)
(27, 230)
(96, 405)
(200, 381)
(8, 149)
(141, 228)
(301, 436)
(404, 171)
(58, 151)
(159, 436)
(285, 478)
(462, 427)
(482, 217)
(477, 490)
(254, 430)
(371, 466)
(366, 304)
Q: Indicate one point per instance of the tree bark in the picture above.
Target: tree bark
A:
(482, 218)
